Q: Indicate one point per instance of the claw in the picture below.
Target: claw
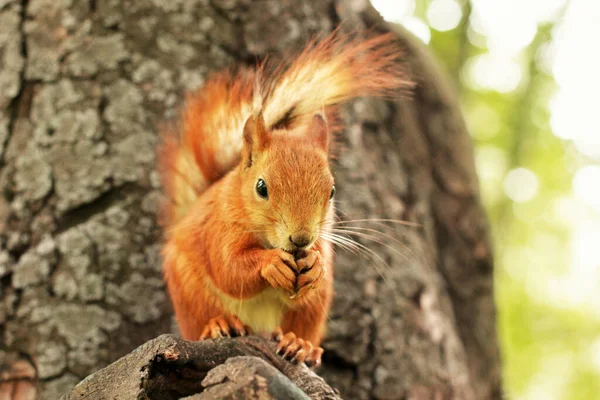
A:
(297, 350)
(299, 357)
(277, 335)
(223, 326)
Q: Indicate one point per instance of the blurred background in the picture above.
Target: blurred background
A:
(528, 79)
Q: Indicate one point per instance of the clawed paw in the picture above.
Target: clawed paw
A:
(297, 350)
(311, 272)
(224, 326)
(280, 271)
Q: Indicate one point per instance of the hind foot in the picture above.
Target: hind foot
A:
(224, 326)
(297, 350)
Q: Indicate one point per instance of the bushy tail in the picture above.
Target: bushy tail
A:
(325, 74)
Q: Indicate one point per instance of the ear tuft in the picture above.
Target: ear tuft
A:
(256, 137)
(319, 132)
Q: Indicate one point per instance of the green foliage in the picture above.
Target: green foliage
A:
(550, 346)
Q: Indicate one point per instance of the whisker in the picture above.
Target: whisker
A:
(372, 238)
(395, 221)
(358, 248)
(356, 245)
(352, 230)
(348, 243)
(366, 249)
(380, 222)
(341, 244)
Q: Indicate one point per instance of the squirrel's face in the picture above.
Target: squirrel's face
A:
(288, 188)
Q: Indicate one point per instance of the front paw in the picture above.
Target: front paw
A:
(280, 270)
(224, 326)
(297, 350)
(312, 270)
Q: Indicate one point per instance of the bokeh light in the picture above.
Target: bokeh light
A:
(401, 12)
(586, 186)
(575, 68)
(444, 15)
(488, 71)
(520, 185)
(527, 76)
(394, 10)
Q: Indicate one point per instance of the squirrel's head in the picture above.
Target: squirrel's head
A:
(287, 186)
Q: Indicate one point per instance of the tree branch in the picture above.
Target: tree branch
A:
(172, 368)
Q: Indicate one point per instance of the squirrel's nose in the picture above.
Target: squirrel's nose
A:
(301, 239)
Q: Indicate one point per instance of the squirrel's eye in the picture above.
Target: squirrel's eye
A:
(261, 189)
(332, 192)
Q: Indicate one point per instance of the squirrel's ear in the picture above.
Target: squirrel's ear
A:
(256, 137)
(319, 132)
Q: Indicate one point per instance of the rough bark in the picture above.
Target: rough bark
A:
(83, 86)
(170, 368)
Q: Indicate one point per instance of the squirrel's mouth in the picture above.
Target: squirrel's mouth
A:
(292, 251)
(298, 253)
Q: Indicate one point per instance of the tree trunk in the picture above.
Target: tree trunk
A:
(83, 87)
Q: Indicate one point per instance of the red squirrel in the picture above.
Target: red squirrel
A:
(250, 192)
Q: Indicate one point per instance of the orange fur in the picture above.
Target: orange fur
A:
(225, 249)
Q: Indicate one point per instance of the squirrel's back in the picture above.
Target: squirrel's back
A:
(325, 74)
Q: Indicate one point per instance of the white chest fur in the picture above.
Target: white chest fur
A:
(262, 313)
